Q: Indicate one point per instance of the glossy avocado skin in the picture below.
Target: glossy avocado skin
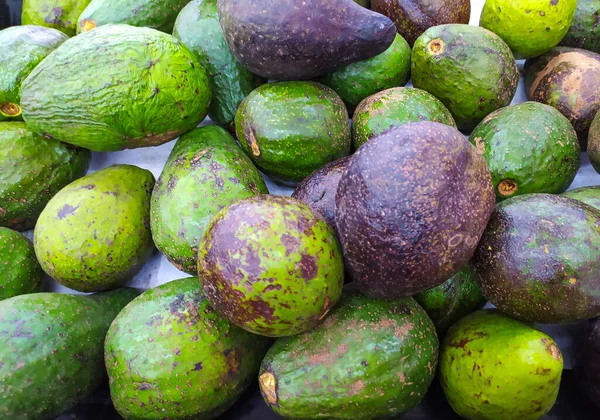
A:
(585, 29)
(57, 14)
(587, 365)
(594, 142)
(587, 195)
(374, 359)
(205, 172)
(21, 273)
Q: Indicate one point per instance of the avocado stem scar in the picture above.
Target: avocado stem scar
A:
(507, 187)
(268, 384)
(11, 110)
(88, 25)
(436, 46)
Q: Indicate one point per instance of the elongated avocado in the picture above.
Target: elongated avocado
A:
(594, 142)
(585, 29)
(58, 14)
(21, 273)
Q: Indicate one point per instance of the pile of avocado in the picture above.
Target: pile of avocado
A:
(413, 206)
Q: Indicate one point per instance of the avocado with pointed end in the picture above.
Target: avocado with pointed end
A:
(585, 29)
(594, 142)
(21, 273)
(58, 14)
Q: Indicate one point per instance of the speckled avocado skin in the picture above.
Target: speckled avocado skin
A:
(23, 47)
(368, 360)
(95, 233)
(32, 170)
(587, 366)
(271, 265)
(291, 129)
(51, 352)
(470, 69)
(205, 172)
(169, 355)
(529, 265)
(58, 14)
(21, 273)
(587, 195)
(594, 142)
(585, 29)
(529, 148)
(494, 367)
(411, 207)
(152, 90)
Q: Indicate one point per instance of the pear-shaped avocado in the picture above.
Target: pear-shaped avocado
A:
(57, 14)
(21, 273)
(594, 142)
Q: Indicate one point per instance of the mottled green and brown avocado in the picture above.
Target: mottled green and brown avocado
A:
(20, 271)
(95, 233)
(411, 207)
(587, 364)
(57, 14)
(369, 359)
(585, 29)
(205, 172)
(587, 195)
(170, 355)
(495, 367)
(594, 142)
(271, 265)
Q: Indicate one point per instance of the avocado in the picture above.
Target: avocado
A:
(450, 301)
(587, 366)
(413, 17)
(400, 231)
(94, 234)
(21, 273)
(585, 29)
(587, 195)
(291, 40)
(470, 69)
(529, 27)
(23, 47)
(58, 14)
(393, 107)
(529, 148)
(169, 355)
(358, 80)
(495, 367)
(594, 142)
(32, 170)
(567, 79)
(151, 90)
(51, 355)
(271, 265)
(539, 259)
(205, 172)
(369, 359)
(364, 3)
(197, 26)
(291, 129)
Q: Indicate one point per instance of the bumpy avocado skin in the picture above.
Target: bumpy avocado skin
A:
(529, 148)
(369, 359)
(205, 172)
(291, 129)
(95, 233)
(393, 107)
(585, 29)
(23, 47)
(271, 265)
(169, 355)
(587, 195)
(594, 142)
(32, 170)
(494, 367)
(21, 273)
(197, 26)
(51, 355)
(57, 14)
(151, 90)
(470, 69)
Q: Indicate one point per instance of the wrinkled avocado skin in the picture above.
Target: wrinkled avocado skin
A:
(21, 273)
(58, 14)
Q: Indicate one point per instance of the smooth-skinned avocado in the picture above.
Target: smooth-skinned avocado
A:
(58, 14)
(585, 29)
(21, 273)
(594, 142)
(587, 366)
(587, 195)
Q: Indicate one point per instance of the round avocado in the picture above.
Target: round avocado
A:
(58, 14)
(495, 367)
(587, 195)
(271, 265)
(594, 142)
(587, 366)
(585, 29)
(529, 148)
(291, 129)
(470, 69)
(21, 273)
(393, 107)
(411, 207)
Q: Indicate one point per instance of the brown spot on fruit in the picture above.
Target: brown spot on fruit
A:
(268, 386)
(87, 25)
(356, 387)
(480, 144)
(552, 349)
(9, 109)
(253, 143)
(308, 265)
(507, 187)
(436, 46)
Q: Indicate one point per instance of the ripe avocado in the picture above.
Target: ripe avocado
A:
(529, 148)
(495, 367)
(411, 207)
(587, 195)
(587, 367)
(585, 29)
(169, 355)
(21, 273)
(95, 233)
(271, 266)
(470, 69)
(291, 129)
(594, 142)
(369, 359)
(151, 90)
(205, 172)
(57, 14)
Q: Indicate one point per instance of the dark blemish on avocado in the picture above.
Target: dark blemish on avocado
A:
(553, 2)
(88, 187)
(308, 265)
(66, 210)
(154, 92)
(171, 183)
(365, 363)
(198, 366)
(144, 386)
(462, 343)
(290, 243)
(253, 143)
(478, 396)
(180, 106)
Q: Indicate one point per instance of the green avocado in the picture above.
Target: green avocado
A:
(587, 195)
(393, 107)
(21, 273)
(197, 26)
(95, 233)
(529, 148)
(205, 172)
(51, 352)
(23, 47)
(57, 14)
(495, 367)
(170, 356)
(32, 170)
(291, 129)
(585, 29)
(358, 80)
(271, 265)
(470, 69)
(363, 3)
(594, 142)
(151, 90)
(370, 359)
